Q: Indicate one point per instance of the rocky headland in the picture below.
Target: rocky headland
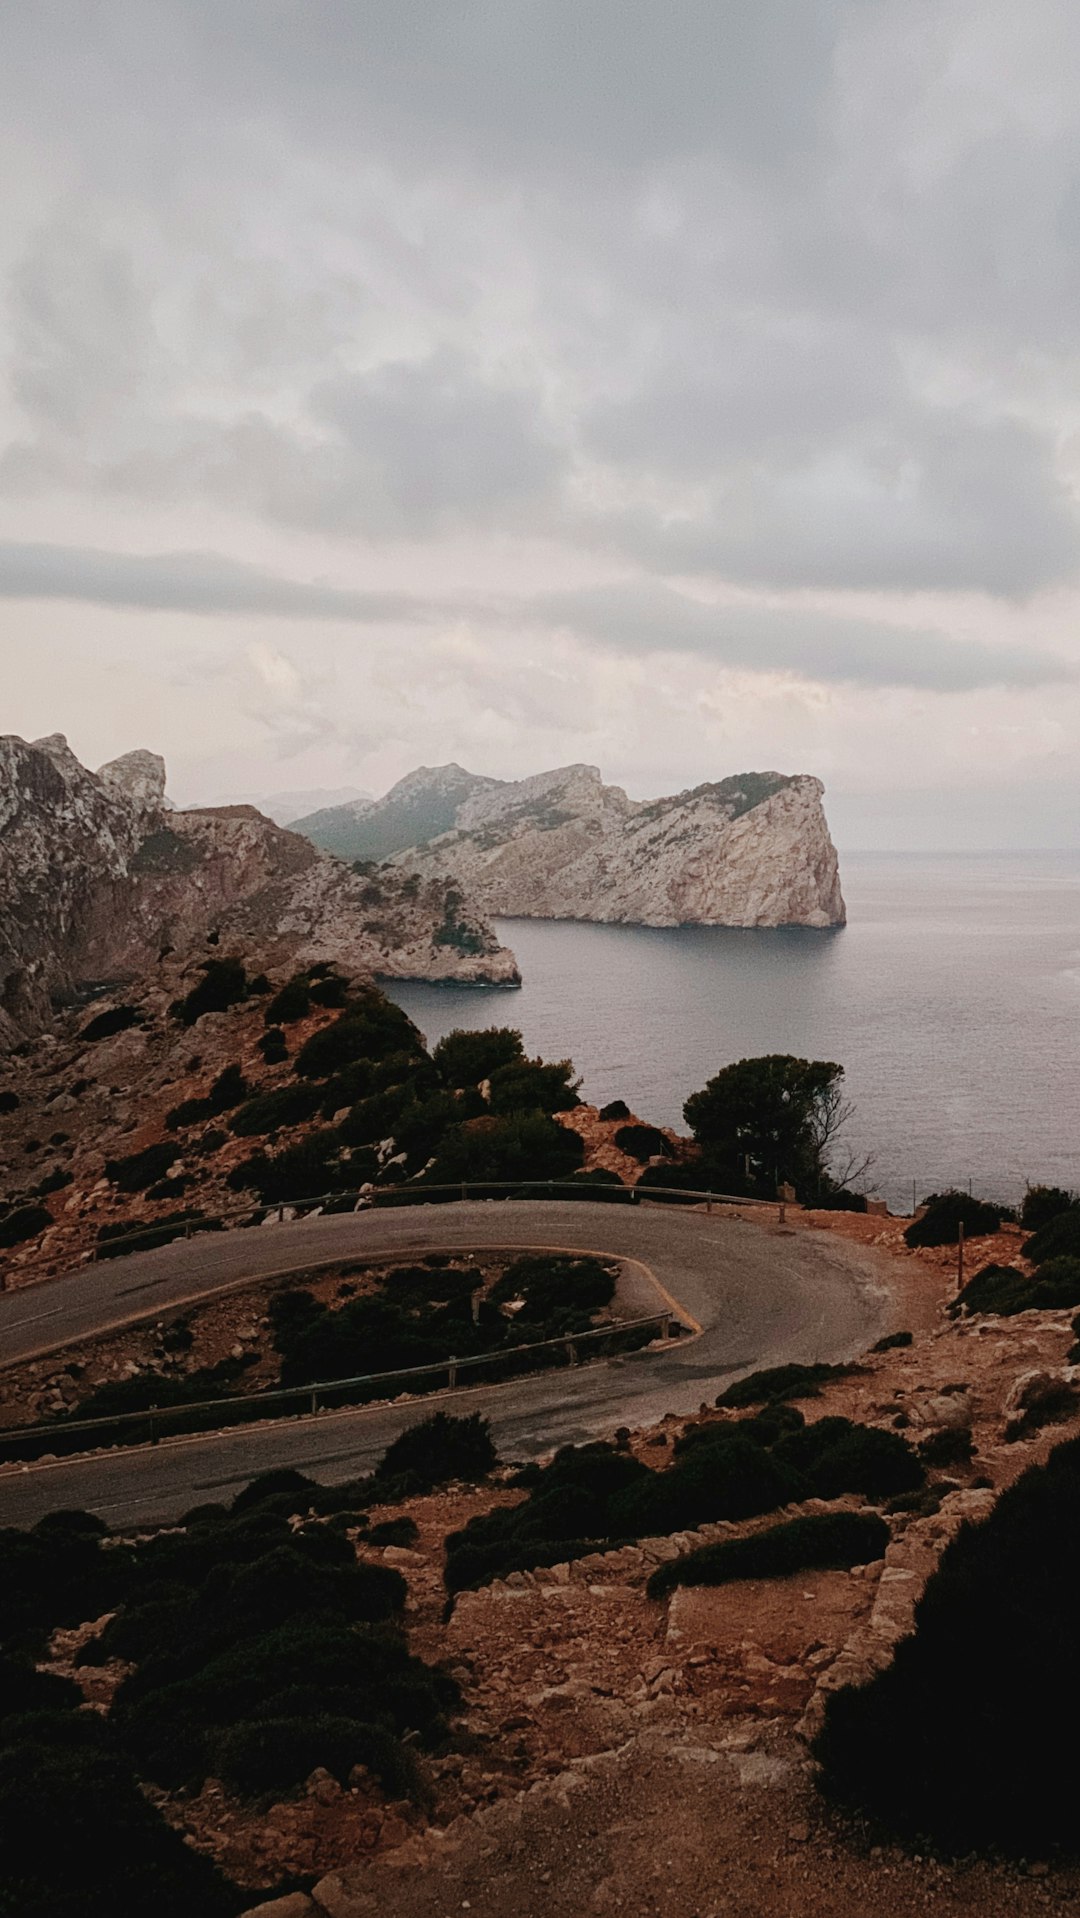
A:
(100, 879)
(750, 850)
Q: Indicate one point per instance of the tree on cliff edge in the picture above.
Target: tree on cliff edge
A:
(764, 1122)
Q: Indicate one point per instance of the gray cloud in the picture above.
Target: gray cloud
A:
(638, 617)
(868, 652)
(780, 292)
(201, 583)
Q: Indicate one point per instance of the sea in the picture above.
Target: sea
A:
(951, 998)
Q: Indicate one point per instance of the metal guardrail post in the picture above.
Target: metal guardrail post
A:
(451, 1373)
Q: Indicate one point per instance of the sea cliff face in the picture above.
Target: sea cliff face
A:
(99, 878)
(752, 850)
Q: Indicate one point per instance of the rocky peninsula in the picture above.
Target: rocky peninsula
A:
(750, 850)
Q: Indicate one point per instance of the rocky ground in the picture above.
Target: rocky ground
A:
(618, 1754)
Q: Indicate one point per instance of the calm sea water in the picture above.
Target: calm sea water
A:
(952, 999)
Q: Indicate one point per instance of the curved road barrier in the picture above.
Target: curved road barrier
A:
(762, 1294)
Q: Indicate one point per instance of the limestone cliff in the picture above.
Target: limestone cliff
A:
(98, 879)
(751, 850)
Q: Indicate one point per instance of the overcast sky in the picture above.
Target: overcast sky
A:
(683, 387)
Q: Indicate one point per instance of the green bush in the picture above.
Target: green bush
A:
(643, 1142)
(228, 1089)
(733, 1480)
(115, 1019)
(781, 1382)
(522, 1147)
(273, 1046)
(1058, 1238)
(834, 1456)
(892, 1342)
(276, 1754)
(442, 1448)
(281, 1484)
(553, 1282)
(172, 1713)
(959, 1741)
(1004, 1290)
(142, 1169)
(223, 984)
(949, 1445)
(615, 1109)
(465, 1058)
(121, 1236)
(829, 1541)
(393, 1531)
(286, 1106)
(291, 1003)
(79, 1840)
(530, 1085)
(944, 1215)
(1041, 1203)
(23, 1222)
(371, 1028)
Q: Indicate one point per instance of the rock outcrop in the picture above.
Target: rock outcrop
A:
(98, 878)
(751, 850)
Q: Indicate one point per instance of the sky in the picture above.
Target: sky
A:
(682, 389)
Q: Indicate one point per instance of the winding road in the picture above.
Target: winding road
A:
(761, 1293)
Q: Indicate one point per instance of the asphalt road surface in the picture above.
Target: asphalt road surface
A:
(762, 1294)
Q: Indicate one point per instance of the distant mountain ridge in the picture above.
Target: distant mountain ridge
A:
(752, 849)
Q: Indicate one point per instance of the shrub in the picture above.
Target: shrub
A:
(950, 1445)
(372, 1028)
(892, 1341)
(643, 1142)
(134, 1236)
(9, 1101)
(837, 1198)
(554, 1282)
(615, 1109)
(1005, 1290)
(835, 1456)
(781, 1382)
(54, 1181)
(944, 1215)
(118, 1857)
(524, 1146)
(116, 1019)
(829, 1541)
(227, 1091)
(330, 990)
(1060, 1236)
(530, 1085)
(441, 1448)
(267, 1111)
(274, 1754)
(283, 1483)
(733, 1480)
(273, 1047)
(142, 1169)
(393, 1531)
(959, 1740)
(173, 1712)
(223, 984)
(1041, 1203)
(292, 1002)
(23, 1222)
